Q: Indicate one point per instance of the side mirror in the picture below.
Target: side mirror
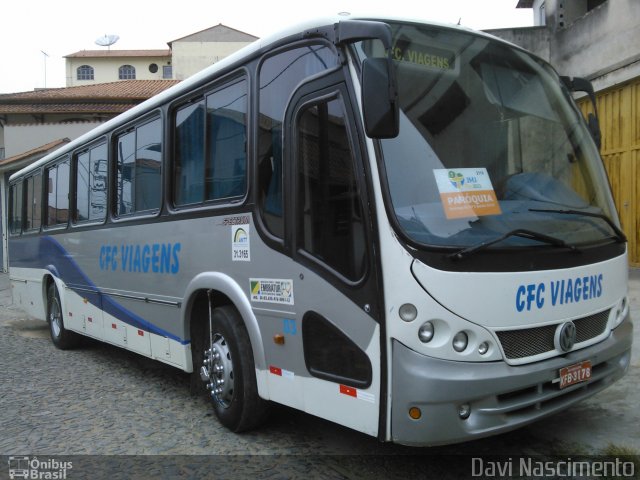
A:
(380, 98)
(577, 84)
(379, 86)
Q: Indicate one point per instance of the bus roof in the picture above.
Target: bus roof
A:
(207, 73)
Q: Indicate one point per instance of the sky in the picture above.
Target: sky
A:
(35, 35)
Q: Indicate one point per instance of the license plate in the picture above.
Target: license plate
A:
(578, 373)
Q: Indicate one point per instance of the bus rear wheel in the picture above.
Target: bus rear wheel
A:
(226, 366)
(60, 336)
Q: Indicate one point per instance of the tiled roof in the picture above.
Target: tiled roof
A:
(122, 89)
(113, 97)
(119, 53)
(41, 150)
(65, 108)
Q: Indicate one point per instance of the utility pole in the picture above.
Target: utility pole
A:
(46, 55)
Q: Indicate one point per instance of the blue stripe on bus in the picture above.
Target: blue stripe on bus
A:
(47, 253)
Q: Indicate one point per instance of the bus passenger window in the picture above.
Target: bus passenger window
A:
(148, 166)
(58, 194)
(36, 202)
(52, 185)
(28, 224)
(125, 164)
(330, 219)
(91, 184)
(138, 169)
(34, 193)
(33, 204)
(62, 193)
(15, 218)
(189, 154)
(226, 170)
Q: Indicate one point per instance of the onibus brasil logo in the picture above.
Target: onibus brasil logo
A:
(34, 468)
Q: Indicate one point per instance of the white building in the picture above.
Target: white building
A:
(186, 56)
(101, 66)
(194, 52)
(101, 84)
(33, 124)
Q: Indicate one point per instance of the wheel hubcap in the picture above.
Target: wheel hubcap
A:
(217, 371)
(55, 317)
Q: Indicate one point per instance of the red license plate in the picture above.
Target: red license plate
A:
(578, 373)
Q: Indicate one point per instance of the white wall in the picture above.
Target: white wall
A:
(22, 138)
(606, 40)
(191, 57)
(106, 69)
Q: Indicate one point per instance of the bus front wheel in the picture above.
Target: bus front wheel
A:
(226, 366)
(60, 336)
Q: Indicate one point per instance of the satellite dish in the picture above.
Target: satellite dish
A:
(107, 40)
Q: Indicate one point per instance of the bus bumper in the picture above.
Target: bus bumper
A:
(501, 397)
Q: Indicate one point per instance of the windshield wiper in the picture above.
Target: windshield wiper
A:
(520, 232)
(620, 236)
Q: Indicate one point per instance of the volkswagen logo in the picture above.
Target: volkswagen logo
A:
(565, 337)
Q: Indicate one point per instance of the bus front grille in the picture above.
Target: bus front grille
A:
(529, 342)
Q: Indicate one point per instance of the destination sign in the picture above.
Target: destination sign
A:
(424, 55)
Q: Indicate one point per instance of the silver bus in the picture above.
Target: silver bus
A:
(401, 227)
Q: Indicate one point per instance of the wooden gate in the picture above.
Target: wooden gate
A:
(619, 111)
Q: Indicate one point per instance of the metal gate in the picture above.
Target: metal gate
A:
(619, 111)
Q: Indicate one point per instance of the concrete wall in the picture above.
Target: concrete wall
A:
(602, 45)
(22, 138)
(601, 42)
(191, 57)
(534, 39)
(106, 69)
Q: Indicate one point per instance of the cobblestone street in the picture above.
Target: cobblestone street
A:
(102, 400)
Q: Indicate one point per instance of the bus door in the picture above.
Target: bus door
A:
(329, 236)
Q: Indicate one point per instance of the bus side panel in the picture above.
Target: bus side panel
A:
(284, 295)
(26, 290)
(83, 312)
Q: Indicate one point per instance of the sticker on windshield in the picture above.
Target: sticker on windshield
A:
(466, 192)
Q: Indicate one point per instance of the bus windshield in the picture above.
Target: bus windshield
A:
(490, 143)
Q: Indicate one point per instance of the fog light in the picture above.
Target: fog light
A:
(460, 342)
(425, 333)
(408, 312)
(483, 348)
(464, 411)
(415, 413)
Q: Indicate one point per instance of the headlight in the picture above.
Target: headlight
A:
(408, 312)
(425, 333)
(460, 342)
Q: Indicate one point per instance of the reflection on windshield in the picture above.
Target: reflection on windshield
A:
(486, 135)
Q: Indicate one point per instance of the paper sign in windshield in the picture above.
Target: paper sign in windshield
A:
(466, 192)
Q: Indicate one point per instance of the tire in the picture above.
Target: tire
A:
(60, 336)
(236, 401)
